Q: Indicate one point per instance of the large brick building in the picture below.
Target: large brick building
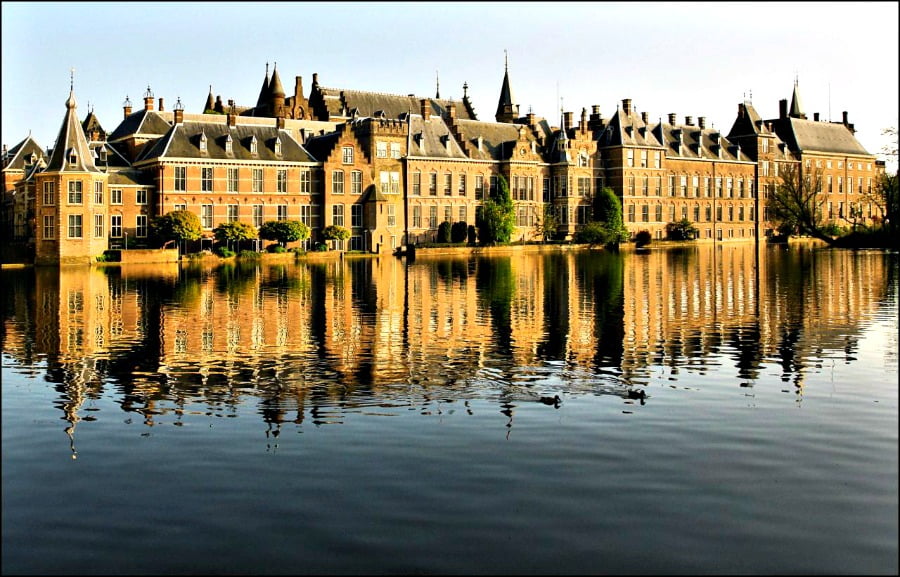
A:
(391, 168)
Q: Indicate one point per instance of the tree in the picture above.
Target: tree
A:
(797, 203)
(335, 232)
(498, 218)
(547, 225)
(592, 234)
(681, 230)
(459, 231)
(283, 231)
(443, 234)
(608, 210)
(178, 225)
(229, 232)
(643, 238)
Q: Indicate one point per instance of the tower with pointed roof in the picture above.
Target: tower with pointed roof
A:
(276, 95)
(210, 101)
(507, 110)
(71, 204)
(796, 107)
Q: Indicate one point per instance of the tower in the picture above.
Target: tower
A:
(507, 111)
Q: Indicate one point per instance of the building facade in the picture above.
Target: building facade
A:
(392, 168)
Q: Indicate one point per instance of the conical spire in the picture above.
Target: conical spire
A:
(264, 91)
(507, 111)
(71, 151)
(210, 103)
(796, 107)
(275, 87)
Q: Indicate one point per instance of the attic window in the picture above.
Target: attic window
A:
(253, 145)
(73, 157)
(229, 145)
(103, 155)
(278, 145)
(203, 142)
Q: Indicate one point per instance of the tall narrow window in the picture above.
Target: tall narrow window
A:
(257, 215)
(140, 196)
(432, 184)
(115, 226)
(417, 217)
(49, 193)
(416, 183)
(233, 180)
(347, 154)
(75, 196)
(448, 184)
(75, 226)
(98, 192)
(257, 180)
(479, 187)
(356, 215)
(305, 186)
(462, 184)
(50, 227)
(206, 216)
(231, 213)
(99, 227)
(140, 228)
(206, 179)
(391, 215)
(395, 150)
(356, 182)
(337, 215)
(180, 178)
(337, 182)
(282, 181)
(282, 212)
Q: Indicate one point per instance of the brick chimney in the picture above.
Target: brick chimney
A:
(567, 120)
(626, 106)
(231, 118)
(279, 123)
(148, 99)
(161, 109)
(846, 119)
(689, 120)
(782, 109)
(701, 121)
(815, 116)
(672, 118)
(425, 107)
(179, 112)
(645, 117)
(126, 107)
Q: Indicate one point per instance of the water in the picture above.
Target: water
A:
(362, 416)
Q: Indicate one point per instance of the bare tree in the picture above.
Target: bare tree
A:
(797, 202)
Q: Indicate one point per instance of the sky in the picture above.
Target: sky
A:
(697, 59)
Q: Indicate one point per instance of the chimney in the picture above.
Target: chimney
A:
(279, 123)
(701, 121)
(148, 99)
(689, 120)
(315, 78)
(425, 106)
(531, 119)
(672, 117)
(567, 119)
(126, 107)
(741, 110)
(161, 109)
(845, 118)
(582, 124)
(782, 109)
(451, 112)
(179, 111)
(645, 117)
(626, 106)
(232, 119)
(815, 116)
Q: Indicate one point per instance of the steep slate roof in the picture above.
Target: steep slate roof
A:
(15, 156)
(128, 177)
(627, 130)
(506, 96)
(796, 107)
(811, 136)
(183, 141)
(340, 102)
(432, 138)
(146, 123)
(496, 138)
(91, 122)
(320, 146)
(71, 139)
(275, 87)
(709, 140)
(114, 158)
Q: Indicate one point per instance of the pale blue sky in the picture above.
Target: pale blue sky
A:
(698, 59)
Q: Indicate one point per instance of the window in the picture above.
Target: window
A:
(229, 145)
(257, 215)
(231, 213)
(829, 164)
(417, 217)
(115, 196)
(448, 184)
(432, 216)
(115, 225)
(840, 185)
(356, 215)
(830, 184)
(656, 159)
(347, 155)
(741, 212)
(416, 183)
(529, 187)
(479, 187)
(631, 185)
(305, 182)
(493, 189)
(282, 212)
(74, 226)
(75, 192)
(395, 183)
(356, 182)
(337, 182)
(706, 190)
(659, 210)
(206, 215)
(278, 146)
(448, 214)
(630, 157)
(708, 213)
(385, 179)
(232, 177)
(849, 185)
(671, 185)
(462, 214)
(729, 187)
(718, 187)
(683, 188)
(179, 207)
(718, 213)
(337, 215)
(257, 180)
(630, 213)
(391, 216)
(99, 227)
(49, 193)
(141, 226)
(281, 181)
(180, 178)
(695, 186)
(395, 150)
(645, 213)
(356, 242)
(140, 196)
(254, 145)
(306, 215)
(646, 185)
(584, 186)
(98, 193)
(432, 184)
(462, 184)
(545, 193)
(380, 150)
(49, 227)
(643, 159)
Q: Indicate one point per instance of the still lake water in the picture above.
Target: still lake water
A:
(365, 416)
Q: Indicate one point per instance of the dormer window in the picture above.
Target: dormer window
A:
(278, 145)
(72, 156)
(203, 142)
(103, 154)
(253, 145)
(229, 144)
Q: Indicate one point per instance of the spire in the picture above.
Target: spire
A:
(264, 91)
(210, 103)
(71, 151)
(796, 107)
(507, 110)
(437, 92)
(275, 87)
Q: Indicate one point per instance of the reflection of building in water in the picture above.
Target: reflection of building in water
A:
(307, 337)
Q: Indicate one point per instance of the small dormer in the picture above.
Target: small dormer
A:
(203, 143)
(445, 140)
(480, 142)
(229, 145)
(72, 156)
(103, 155)
(277, 146)
(254, 145)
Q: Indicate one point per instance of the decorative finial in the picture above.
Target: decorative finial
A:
(505, 60)
(178, 104)
(437, 80)
(465, 89)
(72, 79)
(127, 102)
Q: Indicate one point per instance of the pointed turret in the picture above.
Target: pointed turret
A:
(507, 110)
(92, 128)
(276, 92)
(71, 151)
(264, 91)
(210, 101)
(796, 107)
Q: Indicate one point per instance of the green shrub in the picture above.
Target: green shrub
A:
(248, 254)
(224, 252)
(458, 232)
(443, 234)
(643, 238)
(276, 248)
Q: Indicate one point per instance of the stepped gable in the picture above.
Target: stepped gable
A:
(15, 157)
(497, 139)
(808, 135)
(183, 141)
(432, 138)
(321, 146)
(71, 144)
